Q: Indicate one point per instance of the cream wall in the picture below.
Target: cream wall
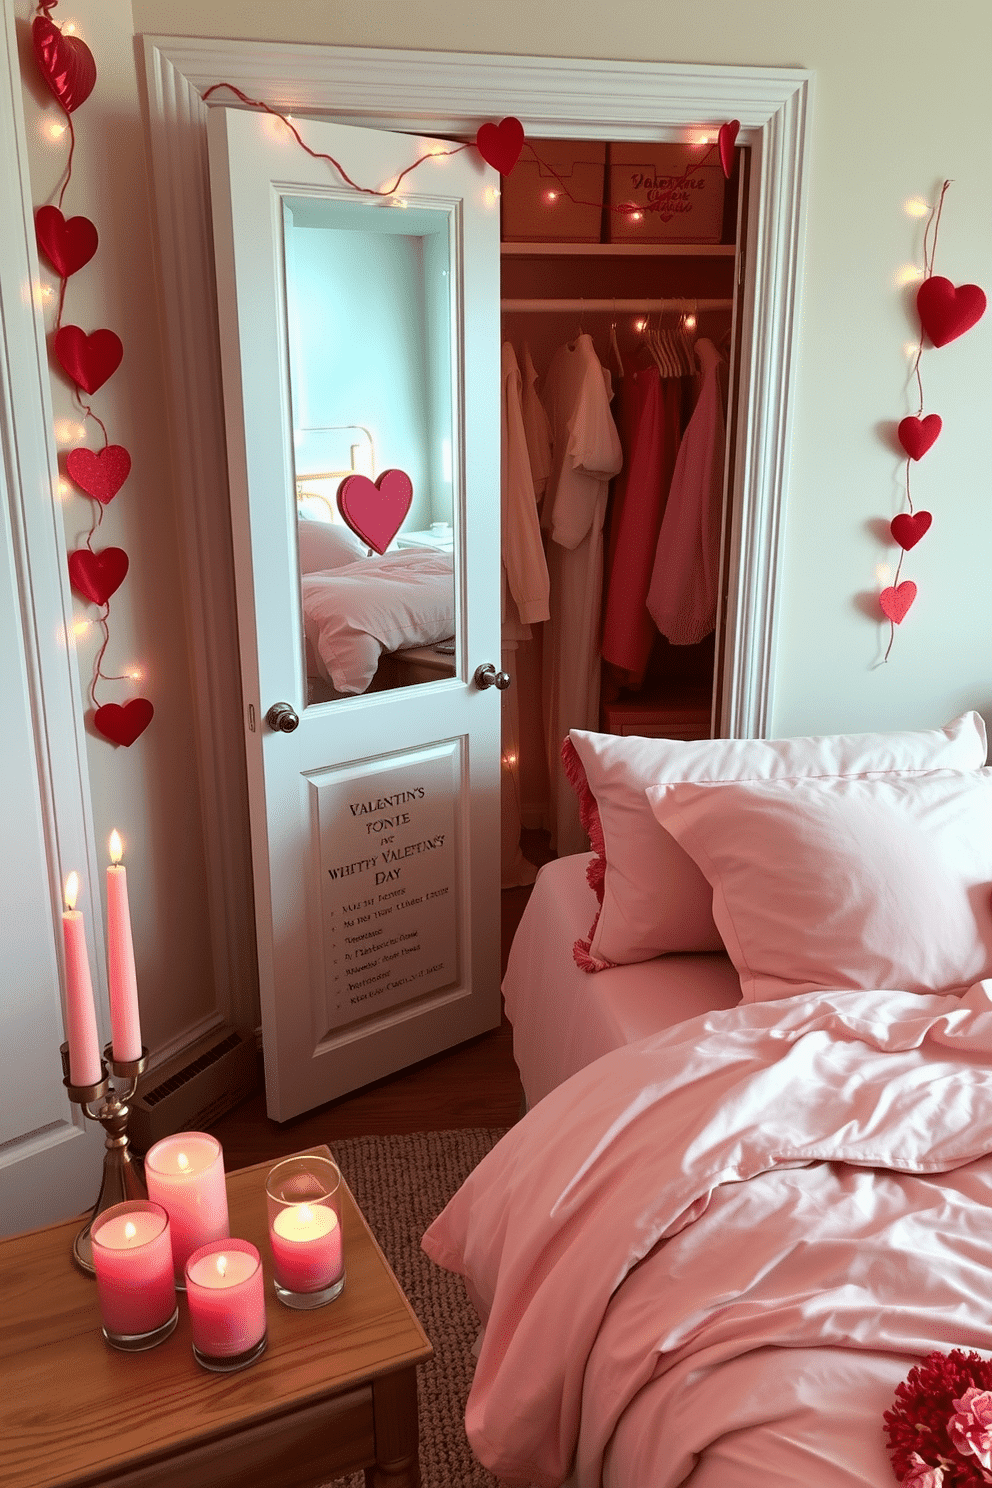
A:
(898, 105)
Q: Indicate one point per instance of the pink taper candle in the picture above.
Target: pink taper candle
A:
(85, 1067)
(120, 960)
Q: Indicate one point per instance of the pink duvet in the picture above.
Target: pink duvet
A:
(711, 1256)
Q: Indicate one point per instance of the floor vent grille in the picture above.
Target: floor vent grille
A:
(189, 1091)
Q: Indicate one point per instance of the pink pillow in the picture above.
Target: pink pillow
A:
(850, 882)
(653, 898)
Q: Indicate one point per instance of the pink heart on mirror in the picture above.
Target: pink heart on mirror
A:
(896, 600)
(375, 511)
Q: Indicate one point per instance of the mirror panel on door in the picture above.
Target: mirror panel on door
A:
(371, 367)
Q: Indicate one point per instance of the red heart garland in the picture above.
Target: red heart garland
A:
(907, 528)
(66, 245)
(727, 140)
(945, 312)
(89, 360)
(896, 600)
(500, 144)
(123, 725)
(376, 512)
(100, 473)
(96, 576)
(916, 435)
(65, 62)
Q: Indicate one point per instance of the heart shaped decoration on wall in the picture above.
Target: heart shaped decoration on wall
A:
(375, 511)
(500, 144)
(99, 473)
(122, 725)
(89, 360)
(947, 312)
(67, 245)
(916, 435)
(727, 141)
(65, 62)
(908, 527)
(896, 600)
(96, 576)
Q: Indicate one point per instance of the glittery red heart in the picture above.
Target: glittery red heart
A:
(100, 473)
(908, 527)
(896, 600)
(65, 62)
(66, 245)
(376, 512)
(123, 725)
(96, 576)
(500, 144)
(946, 312)
(916, 435)
(89, 360)
(727, 140)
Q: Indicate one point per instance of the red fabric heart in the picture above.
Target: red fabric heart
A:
(89, 360)
(896, 600)
(946, 312)
(907, 528)
(66, 245)
(65, 62)
(916, 435)
(100, 473)
(500, 144)
(97, 576)
(123, 725)
(727, 140)
(376, 512)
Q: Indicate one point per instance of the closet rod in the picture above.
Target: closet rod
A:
(649, 307)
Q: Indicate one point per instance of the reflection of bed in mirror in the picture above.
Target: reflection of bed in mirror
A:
(372, 622)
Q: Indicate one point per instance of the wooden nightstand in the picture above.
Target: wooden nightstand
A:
(335, 1391)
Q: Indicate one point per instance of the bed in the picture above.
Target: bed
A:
(372, 621)
(754, 1185)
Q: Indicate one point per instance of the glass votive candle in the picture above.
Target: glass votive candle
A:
(132, 1258)
(304, 1201)
(185, 1174)
(226, 1295)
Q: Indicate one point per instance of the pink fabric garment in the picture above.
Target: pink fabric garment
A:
(628, 629)
(845, 1134)
(525, 567)
(685, 578)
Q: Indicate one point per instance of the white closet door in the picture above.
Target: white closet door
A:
(375, 820)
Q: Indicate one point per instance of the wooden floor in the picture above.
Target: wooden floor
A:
(475, 1084)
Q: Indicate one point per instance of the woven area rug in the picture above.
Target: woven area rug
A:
(401, 1184)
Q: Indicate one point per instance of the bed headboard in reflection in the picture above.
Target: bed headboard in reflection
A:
(323, 446)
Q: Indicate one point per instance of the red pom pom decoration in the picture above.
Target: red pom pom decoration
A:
(917, 1425)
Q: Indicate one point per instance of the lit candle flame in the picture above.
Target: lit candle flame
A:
(222, 1265)
(129, 1231)
(306, 1214)
(182, 1162)
(116, 846)
(71, 890)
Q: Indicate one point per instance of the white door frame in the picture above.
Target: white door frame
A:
(451, 93)
(50, 1156)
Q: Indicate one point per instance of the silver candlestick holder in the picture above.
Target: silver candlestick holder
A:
(122, 1175)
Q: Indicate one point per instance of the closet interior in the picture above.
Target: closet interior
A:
(628, 252)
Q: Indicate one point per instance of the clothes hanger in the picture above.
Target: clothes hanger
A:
(614, 344)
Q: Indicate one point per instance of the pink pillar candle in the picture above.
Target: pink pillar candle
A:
(121, 978)
(185, 1174)
(226, 1293)
(85, 1064)
(306, 1247)
(132, 1258)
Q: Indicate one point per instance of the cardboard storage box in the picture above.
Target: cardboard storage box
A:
(671, 199)
(537, 206)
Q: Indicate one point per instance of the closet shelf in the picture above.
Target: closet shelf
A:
(648, 307)
(619, 250)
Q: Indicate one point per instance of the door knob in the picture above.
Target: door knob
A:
(487, 676)
(283, 718)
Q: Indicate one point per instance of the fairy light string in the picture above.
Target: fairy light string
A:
(67, 66)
